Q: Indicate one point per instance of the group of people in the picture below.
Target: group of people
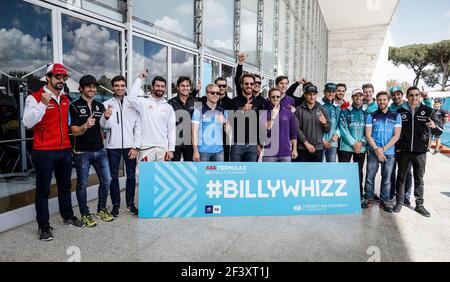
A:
(144, 127)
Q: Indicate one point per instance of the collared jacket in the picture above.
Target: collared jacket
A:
(334, 112)
(352, 129)
(309, 126)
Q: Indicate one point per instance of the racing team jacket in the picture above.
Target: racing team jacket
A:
(352, 129)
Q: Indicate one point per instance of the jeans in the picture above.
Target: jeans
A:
(187, 151)
(373, 164)
(114, 156)
(330, 155)
(408, 183)
(277, 159)
(45, 162)
(83, 162)
(346, 157)
(244, 153)
(307, 157)
(212, 157)
(419, 163)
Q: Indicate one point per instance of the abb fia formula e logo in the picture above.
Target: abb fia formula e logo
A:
(213, 209)
(211, 168)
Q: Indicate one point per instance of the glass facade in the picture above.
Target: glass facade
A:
(89, 36)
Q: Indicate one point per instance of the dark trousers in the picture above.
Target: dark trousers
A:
(45, 162)
(307, 157)
(114, 157)
(419, 162)
(226, 153)
(408, 183)
(346, 157)
(185, 151)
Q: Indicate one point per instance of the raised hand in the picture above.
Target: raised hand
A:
(90, 122)
(143, 75)
(242, 57)
(322, 119)
(109, 112)
(46, 98)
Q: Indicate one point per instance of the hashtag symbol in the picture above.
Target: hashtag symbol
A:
(214, 189)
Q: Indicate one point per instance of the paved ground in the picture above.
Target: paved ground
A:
(375, 234)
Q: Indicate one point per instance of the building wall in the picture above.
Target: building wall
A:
(359, 55)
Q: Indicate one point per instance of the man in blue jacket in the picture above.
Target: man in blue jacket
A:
(330, 141)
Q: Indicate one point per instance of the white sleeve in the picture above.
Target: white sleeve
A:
(171, 130)
(33, 112)
(138, 132)
(135, 92)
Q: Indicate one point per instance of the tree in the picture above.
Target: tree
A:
(415, 57)
(440, 58)
(391, 83)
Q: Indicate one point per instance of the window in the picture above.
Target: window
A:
(211, 71)
(149, 55)
(218, 24)
(268, 36)
(172, 16)
(89, 48)
(249, 17)
(108, 8)
(282, 39)
(228, 73)
(183, 64)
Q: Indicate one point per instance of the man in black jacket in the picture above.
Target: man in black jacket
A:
(418, 121)
(237, 79)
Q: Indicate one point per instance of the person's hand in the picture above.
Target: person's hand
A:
(90, 122)
(294, 154)
(380, 154)
(248, 106)
(143, 75)
(242, 57)
(322, 119)
(220, 118)
(46, 98)
(335, 138)
(196, 156)
(132, 154)
(357, 147)
(311, 149)
(259, 148)
(269, 124)
(424, 93)
(326, 144)
(302, 81)
(109, 112)
(199, 85)
(169, 156)
(431, 124)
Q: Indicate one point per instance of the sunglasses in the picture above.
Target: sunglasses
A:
(60, 77)
(258, 83)
(249, 84)
(222, 86)
(275, 97)
(214, 93)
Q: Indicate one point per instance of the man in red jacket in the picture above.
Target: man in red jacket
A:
(47, 113)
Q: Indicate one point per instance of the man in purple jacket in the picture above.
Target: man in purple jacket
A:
(279, 129)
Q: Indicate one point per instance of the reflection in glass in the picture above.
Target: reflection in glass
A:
(175, 16)
(149, 55)
(90, 48)
(282, 40)
(228, 73)
(268, 36)
(182, 65)
(249, 17)
(218, 25)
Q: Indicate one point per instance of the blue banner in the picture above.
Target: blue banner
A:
(172, 189)
(445, 138)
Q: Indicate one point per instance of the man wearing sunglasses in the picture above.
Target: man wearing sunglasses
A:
(419, 121)
(47, 113)
(258, 81)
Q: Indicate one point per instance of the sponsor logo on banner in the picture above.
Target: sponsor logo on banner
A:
(209, 209)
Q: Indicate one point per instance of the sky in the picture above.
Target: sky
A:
(418, 21)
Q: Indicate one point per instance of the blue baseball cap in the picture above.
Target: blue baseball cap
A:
(396, 89)
(331, 87)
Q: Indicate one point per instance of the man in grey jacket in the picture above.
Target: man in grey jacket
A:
(313, 122)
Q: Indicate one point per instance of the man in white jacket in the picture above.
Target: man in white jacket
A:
(157, 118)
(123, 139)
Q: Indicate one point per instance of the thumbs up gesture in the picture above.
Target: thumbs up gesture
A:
(322, 119)
(90, 122)
(431, 124)
(109, 112)
(46, 98)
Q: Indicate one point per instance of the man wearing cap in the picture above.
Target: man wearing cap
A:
(370, 104)
(47, 113)
(352, 130)
(313, 123)
(85, 115)
(398, 102)
(419, 122)
(330, 141)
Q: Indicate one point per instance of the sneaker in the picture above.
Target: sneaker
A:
(398, 207)
(407, 203)
(366, 204)
(386, 206)
(75, 222)
(88, 221)
(376, 198)
(435, 152)
(105, 216)
(133, 210)
(421, 210)
(45, 234)
(115, 211)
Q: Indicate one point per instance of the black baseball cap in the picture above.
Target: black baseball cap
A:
(88, 80)
(311, 88)
(331, 87)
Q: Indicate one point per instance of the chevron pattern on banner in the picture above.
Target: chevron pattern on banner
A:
(174, 190)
